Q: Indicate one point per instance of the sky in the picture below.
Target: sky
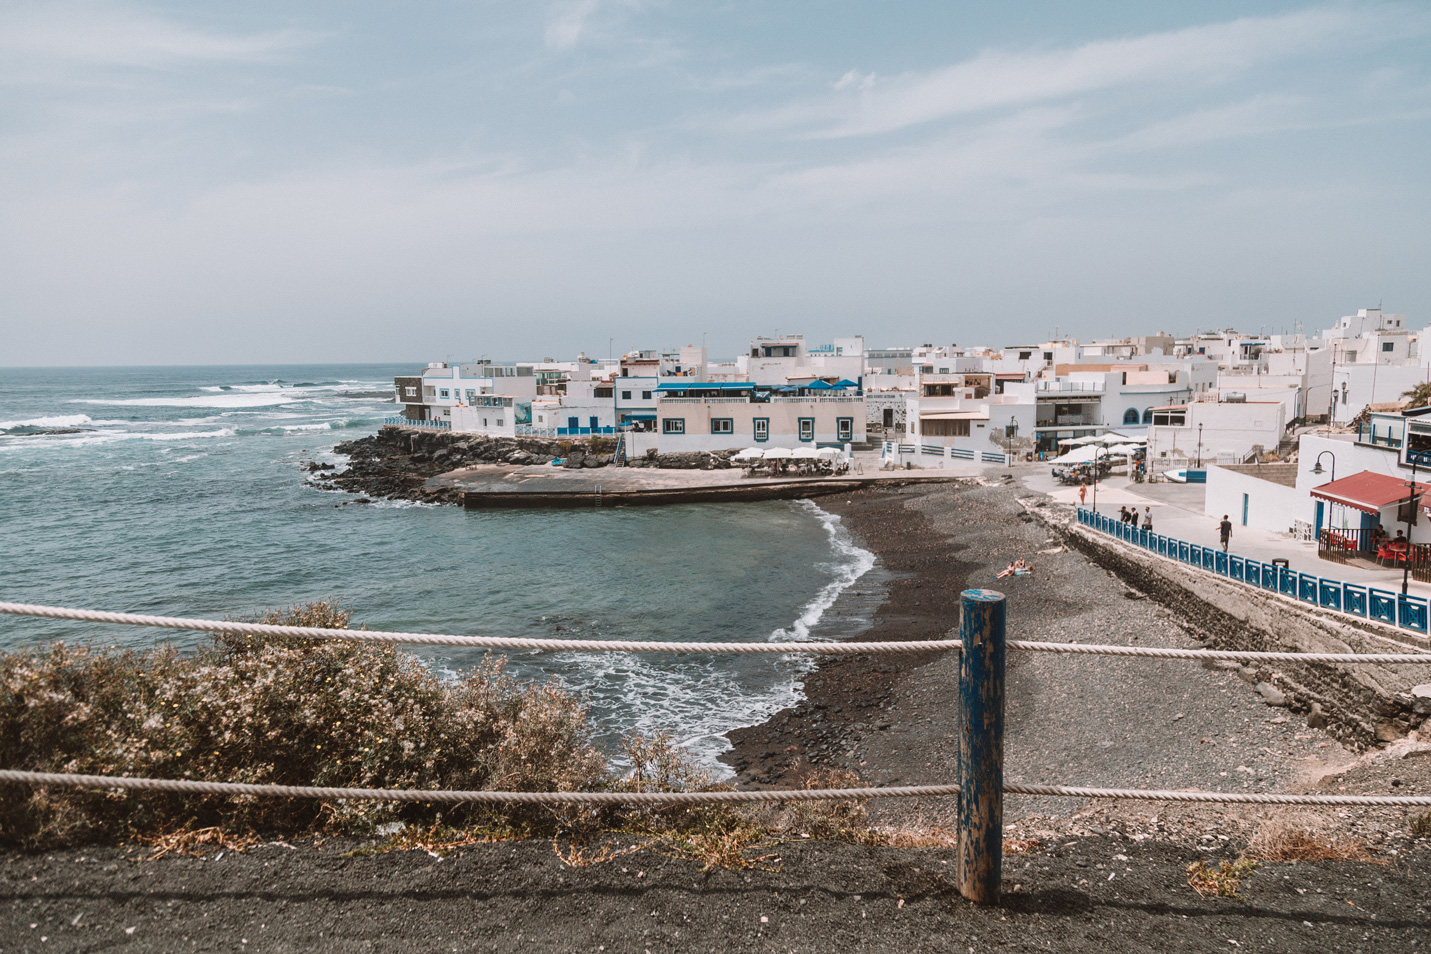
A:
(263, 182)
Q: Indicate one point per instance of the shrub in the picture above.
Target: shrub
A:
(260, 710)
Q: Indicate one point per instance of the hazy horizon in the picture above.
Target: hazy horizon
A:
(212, 184)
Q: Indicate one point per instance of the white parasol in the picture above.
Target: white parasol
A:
(777, 453)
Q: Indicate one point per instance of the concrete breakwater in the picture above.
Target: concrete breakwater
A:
(399, 463)
(1360, 705)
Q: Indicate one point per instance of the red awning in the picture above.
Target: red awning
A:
(1368, 491)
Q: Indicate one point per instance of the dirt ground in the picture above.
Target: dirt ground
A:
(1083, 895)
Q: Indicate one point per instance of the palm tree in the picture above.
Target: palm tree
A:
(1419, 396)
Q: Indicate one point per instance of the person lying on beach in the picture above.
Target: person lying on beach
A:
(1017, 568)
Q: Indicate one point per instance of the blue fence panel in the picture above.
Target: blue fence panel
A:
(993, 457)
(1143, 538)
(960, 454)
(1208, 555)
(1195, 555)
(1219, 562)
(1183, 551)
(1353, 599)
(1412, 613)
(1382, 605)
(1234, 568)
(1306, 587)
(1286, 582)
(1270, 575)
(1329, 594)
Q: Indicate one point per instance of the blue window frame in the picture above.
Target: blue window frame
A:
(1147, 415)
(673, 425)
(807, 428)
(1130, 416)
(722, 425)
(595, 422)
(844, 428)
(762, 429)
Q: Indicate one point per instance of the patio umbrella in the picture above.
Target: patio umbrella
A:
(805, 453)
(776, 453)
(750, 453)
(829, 453)
(1079, 455)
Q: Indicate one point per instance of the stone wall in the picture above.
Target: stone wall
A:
(1361, 705)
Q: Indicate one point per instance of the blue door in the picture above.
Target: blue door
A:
(573, 424)
(594, 423)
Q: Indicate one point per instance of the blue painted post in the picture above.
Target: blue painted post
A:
(981, 749)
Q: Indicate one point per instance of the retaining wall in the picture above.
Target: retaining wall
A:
(1361, 705)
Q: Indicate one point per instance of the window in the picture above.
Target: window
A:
(722, 425)
(442, 393)
(1170, 418)
(844, 428)
(411, 392)
(1147, 415)
(430, 391)
(807, 428)
(1130, 416)
(1388, 346)
(499, 422)
(762, 428)
(471, 395)
(595, 422)
(673, 425)
(603, 392)
(573, 423)
(625, 395)
(645, 395)
(944, 428)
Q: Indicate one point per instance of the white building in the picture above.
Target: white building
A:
(712, 415)
(1208, 430)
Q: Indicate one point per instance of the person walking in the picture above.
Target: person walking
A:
(1148, 518)
(1083, 492)
(1224, 530)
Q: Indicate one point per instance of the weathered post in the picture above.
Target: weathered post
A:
(981, 745)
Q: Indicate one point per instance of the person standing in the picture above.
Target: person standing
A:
(1148, 518)
(1224, 530)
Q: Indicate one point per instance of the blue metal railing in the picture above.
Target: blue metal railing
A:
(1405, 612)
(404, 422)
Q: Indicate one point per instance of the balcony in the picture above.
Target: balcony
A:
(1069, 387)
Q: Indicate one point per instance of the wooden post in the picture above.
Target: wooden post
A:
(981, 748)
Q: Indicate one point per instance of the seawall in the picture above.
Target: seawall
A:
(1361, 705)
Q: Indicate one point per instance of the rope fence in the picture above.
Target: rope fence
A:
(639, 646)
(190, 787)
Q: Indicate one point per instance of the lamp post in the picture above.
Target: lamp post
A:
(1199, 445)
(1317, 467)
(1009, 433)
(1096, 454)
(1416, 458)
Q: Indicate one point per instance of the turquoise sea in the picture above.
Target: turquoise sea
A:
(180, 492)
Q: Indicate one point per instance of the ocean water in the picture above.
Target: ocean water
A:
(180, 491)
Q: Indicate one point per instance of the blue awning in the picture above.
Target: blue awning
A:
(639, 417)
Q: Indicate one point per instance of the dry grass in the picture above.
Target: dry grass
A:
(265, 711)
(1283, 840)
(196, 841)
(1421, 825)
(1225, 881)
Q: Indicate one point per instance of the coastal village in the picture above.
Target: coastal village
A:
(1311, 435)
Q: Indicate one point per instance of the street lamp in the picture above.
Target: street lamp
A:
(1199, 445)
(1416, 458)
(1317, 467)
(1009, 432)
(1096, 455)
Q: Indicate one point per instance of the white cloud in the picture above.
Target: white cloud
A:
(110, 35)
(566, 22)
(866, 105)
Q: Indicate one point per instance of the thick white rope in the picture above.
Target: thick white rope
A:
(681, 798)
(638, 646)
(480, 642)
(503, 798)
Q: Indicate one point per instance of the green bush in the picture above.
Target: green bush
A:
(262, 710)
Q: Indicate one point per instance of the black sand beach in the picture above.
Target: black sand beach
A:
(1092, 877)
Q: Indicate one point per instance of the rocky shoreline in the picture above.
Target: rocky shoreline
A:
(396, 463)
